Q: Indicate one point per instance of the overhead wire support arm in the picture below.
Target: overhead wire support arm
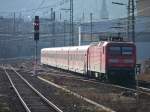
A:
(118, 3)
(131, 19)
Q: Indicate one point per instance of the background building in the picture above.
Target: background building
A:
(143, 7)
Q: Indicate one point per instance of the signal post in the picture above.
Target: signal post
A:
(36, 39)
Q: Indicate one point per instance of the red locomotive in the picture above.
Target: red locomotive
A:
(106, 60)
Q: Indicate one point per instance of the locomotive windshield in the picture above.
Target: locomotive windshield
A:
(127, 50)
(115, 50)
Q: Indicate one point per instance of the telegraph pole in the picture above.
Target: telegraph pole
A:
(91, 19)
(53, 26)
(131, 29)
(79, 35)
(64, 32)
(71, 39)
(83, 17)
(118, 3)
(54, 43)
(60, 16)
(71, 23)
(14, 25)
(36, 35)
(131, 20)
(51, 13)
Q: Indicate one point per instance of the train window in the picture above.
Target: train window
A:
(127, 50)
(114, 50)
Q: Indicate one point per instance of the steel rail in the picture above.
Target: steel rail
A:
(37, 92)
(16, 91)
(81, 78)
(141, 89)
(145, 90)
(77, 95)
(94, 81)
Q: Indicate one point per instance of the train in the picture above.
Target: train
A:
(112, 61)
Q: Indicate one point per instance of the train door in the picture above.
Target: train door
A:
(87, 63)
(100, 59)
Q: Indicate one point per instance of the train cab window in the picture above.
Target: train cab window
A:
(127, 50)
(114, 50)
(120, 50)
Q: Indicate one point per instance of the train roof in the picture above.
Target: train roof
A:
(85, 47)
(70, 48)
(114, 42)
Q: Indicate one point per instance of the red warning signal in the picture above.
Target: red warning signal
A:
(36, 24)
(36, 28)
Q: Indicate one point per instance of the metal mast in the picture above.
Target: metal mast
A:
(53, 27)
(131, 20)
(71, 23)
(91, 19)
(14, 24)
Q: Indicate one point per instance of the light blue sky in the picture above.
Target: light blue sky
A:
(80, 6)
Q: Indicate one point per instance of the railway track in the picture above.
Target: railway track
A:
(31, 99)
(144, 86)
(69, 75)
(65, 100)
(101, 89)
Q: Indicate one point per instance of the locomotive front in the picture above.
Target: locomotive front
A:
(121, 61)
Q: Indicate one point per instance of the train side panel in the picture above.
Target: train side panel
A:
(97, 58)
(44, 57)
(94, 59)
(77, 59)
(72, 59)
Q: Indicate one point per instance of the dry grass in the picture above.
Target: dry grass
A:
(145, 75)
(4, 108)
(102, 95)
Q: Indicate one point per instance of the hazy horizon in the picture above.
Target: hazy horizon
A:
(80, 6)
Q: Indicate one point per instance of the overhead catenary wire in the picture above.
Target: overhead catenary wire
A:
(57, 4)
(42, 2)
(48, 36)
(64, 1)
(60, 3)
